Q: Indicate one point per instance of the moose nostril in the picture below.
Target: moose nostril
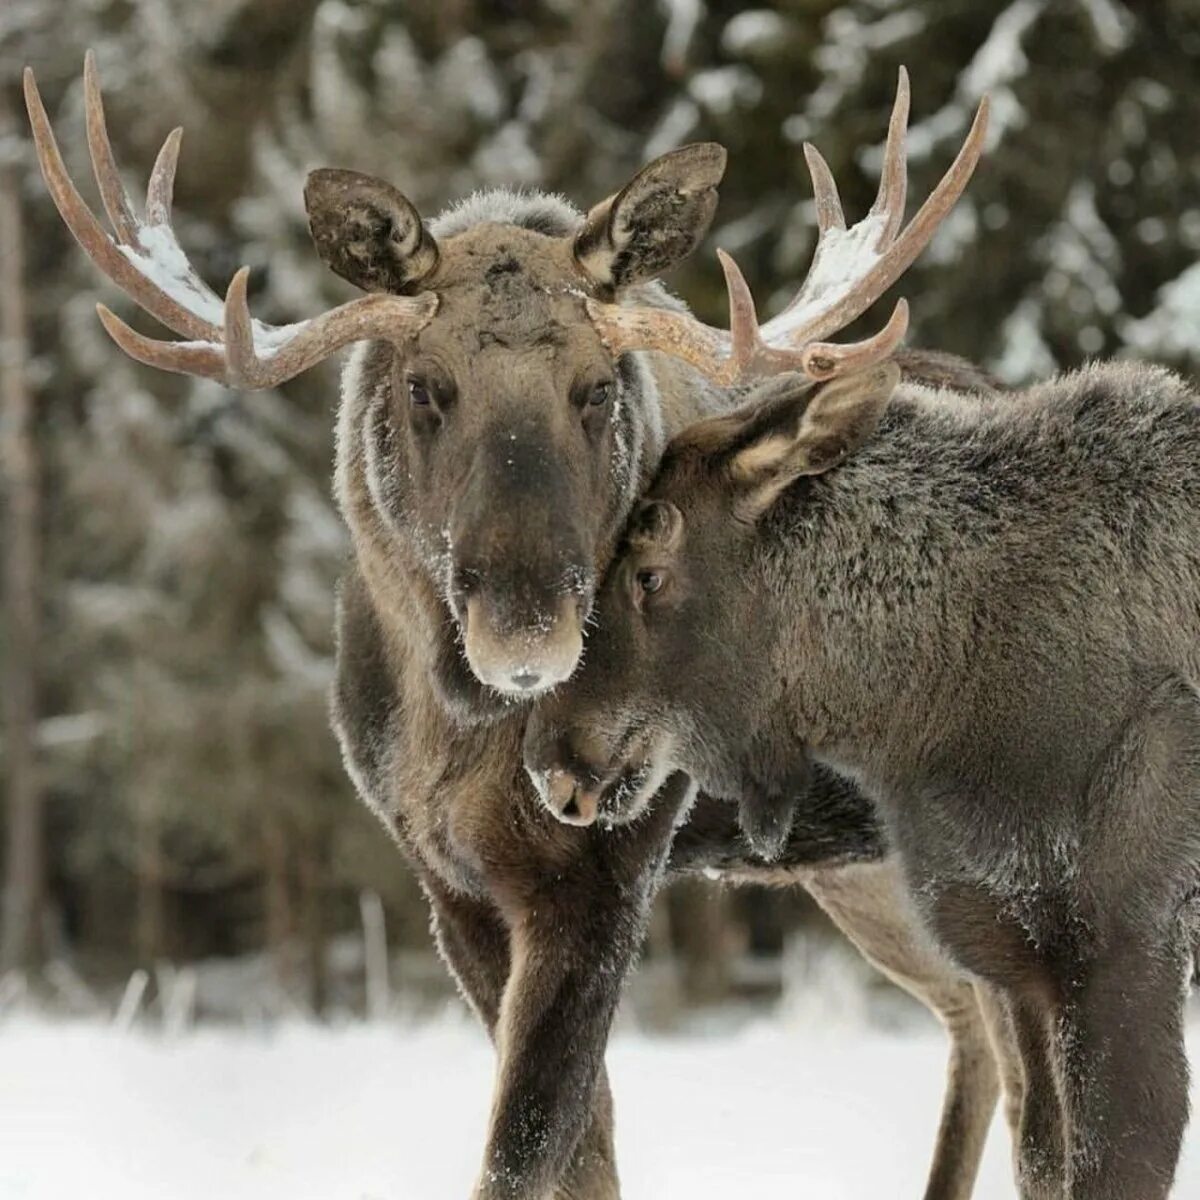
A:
(571, 808)
(467, 580)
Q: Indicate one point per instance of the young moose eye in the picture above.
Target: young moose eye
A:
(419, 393)
(600, 394)
(649, 581)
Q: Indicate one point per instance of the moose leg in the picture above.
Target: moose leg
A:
(1125, 1076)
(474, 943)
(1041, 1161)
(1003, 1038)
(869, 904)
(574, 936)
(1121, 1048)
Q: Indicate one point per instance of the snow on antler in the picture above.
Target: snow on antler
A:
(144, 258)
(851, 268)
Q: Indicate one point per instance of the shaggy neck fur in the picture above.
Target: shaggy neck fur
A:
(972, 542)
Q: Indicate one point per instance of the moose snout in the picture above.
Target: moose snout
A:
(568, 798)
(523, 659)
(569, 771)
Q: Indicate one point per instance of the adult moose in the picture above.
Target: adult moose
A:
(490, 448)
(989, 617)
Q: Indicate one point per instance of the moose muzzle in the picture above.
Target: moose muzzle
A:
(523, 660)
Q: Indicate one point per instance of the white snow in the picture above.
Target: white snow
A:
(843, 258)
(683, 19)
(755, 31)
(1169, 329)
(160, 258)
(389, 1112)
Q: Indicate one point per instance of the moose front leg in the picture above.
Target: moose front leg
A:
(574, 938)
(474, 943)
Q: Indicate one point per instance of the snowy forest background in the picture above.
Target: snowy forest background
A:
(175, 797)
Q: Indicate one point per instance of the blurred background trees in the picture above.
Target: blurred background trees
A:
(174, 793)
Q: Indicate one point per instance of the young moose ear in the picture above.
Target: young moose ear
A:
(367, 232)
(798, 428)
(656, 220)
(656, 523)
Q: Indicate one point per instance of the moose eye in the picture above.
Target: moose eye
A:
(649, 582)
(600, 394)
(419, 393)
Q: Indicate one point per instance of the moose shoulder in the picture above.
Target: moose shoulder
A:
(520, 374)
(990, 616)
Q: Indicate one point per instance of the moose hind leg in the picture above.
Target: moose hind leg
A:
(970, 1098)
(1122, 1050)
(1125, 1076)
(870, 904)
(1003, 1037)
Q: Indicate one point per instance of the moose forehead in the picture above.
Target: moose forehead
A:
(508, 288)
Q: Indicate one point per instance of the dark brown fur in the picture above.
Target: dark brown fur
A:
(989, 615)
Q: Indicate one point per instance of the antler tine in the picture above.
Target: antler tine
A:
(745, 344)
(204, 359)
(90, 235)
(160, 192)
(104, 163)
(243, 367)
(893, 175)
(824, 360)
(825, 304)
(825, 191)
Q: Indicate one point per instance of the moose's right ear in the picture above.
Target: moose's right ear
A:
(656, 220)
(368, 232)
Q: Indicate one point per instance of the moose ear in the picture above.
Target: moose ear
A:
(655, 221)
(657, 524)
(367, 232)
(798, 428)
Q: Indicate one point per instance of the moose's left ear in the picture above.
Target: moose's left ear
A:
(797, 429)
(368, 232)
(656, 220)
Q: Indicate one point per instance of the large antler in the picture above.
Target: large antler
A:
(851, 268)
(145, 260)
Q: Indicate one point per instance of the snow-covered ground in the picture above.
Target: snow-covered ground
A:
(397, 1113)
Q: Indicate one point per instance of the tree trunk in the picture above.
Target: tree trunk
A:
(20, 937)
(151, 922)
(277, 901)
(312, 882)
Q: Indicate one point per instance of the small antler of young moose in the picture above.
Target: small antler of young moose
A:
(851, 268)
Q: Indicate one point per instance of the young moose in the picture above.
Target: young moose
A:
(989, 617)
(491, 446)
